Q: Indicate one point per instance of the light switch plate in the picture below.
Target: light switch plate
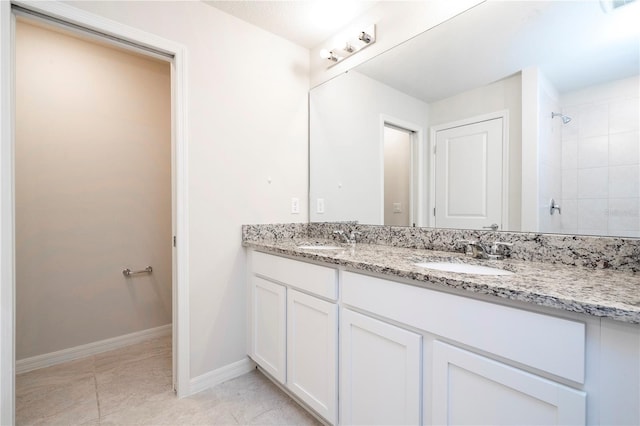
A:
(295, 205)
(320, 205)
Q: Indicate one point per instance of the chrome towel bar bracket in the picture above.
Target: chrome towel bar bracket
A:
(128, 272)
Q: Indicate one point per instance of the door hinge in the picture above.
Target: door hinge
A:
(434, 211)
(174, 240)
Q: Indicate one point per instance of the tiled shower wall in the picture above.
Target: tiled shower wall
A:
(601, 160)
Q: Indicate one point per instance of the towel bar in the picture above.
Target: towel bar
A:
(128, 272)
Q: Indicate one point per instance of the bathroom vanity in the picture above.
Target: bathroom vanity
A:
(362, 335)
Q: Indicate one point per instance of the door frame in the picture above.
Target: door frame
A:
(433, 130)
(416, 184)
(179, 166)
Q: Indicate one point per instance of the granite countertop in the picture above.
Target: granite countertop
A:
(598, 292)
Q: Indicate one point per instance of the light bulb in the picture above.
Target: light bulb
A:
(365, 37)
(326, 54)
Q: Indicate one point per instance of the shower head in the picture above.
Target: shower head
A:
(565, 119)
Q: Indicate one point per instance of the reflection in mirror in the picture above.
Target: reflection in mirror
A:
(397, 176)
(498, 71)
(348, 117)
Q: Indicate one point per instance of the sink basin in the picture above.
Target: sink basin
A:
(319, 247)
(464, 268)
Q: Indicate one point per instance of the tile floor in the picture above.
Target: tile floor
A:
(132, 385)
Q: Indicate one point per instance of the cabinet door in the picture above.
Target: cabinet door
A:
(471, 389)
(312, 352)
(269, 327)
(380, 372)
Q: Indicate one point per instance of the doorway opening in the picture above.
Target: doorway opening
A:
(403, 171)
(174, 55)
(92, 197)
(398, 208)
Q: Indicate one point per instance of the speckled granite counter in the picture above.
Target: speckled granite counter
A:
(606, 293)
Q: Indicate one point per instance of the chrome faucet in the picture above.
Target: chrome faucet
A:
(476, 249)
(349, 237)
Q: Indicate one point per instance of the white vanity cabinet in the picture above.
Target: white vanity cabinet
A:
(294, 328)
(380, 372)
(268, 337)
(478, 357)
(472, 389)
(312, 352)
(412, 355)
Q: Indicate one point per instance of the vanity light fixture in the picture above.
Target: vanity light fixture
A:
(350, 46)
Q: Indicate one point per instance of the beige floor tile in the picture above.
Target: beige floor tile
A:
(133, 386)
(172, 412)
(254, 399)
(71, 402)
(55, 375)
(123, 390)
(141, 373)
(156, 351)
(288, 413)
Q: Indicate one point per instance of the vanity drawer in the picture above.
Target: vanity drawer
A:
(315, 279)
(551, 344)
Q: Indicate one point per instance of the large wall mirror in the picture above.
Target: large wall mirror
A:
(519, 116)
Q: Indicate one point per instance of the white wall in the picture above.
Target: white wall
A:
(503, 94)
(93, 191)
(530, 208)
(247, 109)
(347, 144)
(601, 159)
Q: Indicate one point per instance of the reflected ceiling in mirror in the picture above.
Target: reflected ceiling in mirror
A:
(518, 62)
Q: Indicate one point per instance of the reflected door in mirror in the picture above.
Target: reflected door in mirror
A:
(468, 169)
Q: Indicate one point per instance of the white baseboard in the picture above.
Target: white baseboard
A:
(215, 377)
(58, 357)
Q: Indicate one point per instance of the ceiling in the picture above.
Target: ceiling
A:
(575, 44)
(306, 23)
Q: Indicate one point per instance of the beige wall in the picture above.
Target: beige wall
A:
(93, 191)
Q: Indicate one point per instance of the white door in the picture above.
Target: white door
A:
(468, 176)
(312, 352)
(380, 372)
(268, 343)
(469, 389)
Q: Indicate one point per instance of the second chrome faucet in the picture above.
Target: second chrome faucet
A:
(498, 250)
(348, 237)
